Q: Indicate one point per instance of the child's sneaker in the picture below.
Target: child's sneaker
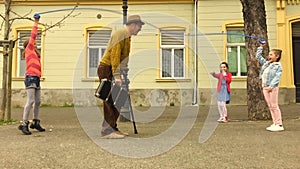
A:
(269, 128)
(220, 119)
(276, 128)
(225, 119)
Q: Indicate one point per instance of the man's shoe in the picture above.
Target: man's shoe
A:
(276, 128)
(113, 136)
(122, 133)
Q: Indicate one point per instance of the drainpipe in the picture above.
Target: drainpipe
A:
(195, 90)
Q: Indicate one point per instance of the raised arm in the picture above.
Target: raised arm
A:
(34, 31)
(259, 55)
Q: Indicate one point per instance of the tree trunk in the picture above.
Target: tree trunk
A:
(255, 25)
(9, 81)
(7, 4)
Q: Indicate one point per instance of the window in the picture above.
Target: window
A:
(97, 42)
(172, 46)
(236, 52)
(24, 35)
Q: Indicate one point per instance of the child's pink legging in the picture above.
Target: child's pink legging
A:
(222, 109)
(272, 101)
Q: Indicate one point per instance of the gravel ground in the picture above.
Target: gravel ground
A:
(75, 143)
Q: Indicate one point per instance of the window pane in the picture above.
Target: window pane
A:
(22, 64)
(235, 36)
(178, 63)
(97, 42)
(232, 59)
(166, 63)
(93, 61)
(243, 60)
(102, 51)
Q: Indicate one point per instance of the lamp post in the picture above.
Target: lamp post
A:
(125, 7)
(124, 112)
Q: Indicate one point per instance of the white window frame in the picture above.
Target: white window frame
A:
(238, 46)
(173, 48)
(20, 48)
(101, 49)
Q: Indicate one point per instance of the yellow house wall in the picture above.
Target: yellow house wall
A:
(211, 15)
(292, 7)
(64, 50)
(63, 45)
(98, 2)
(286, 11)
(214, 14)
(144, 62)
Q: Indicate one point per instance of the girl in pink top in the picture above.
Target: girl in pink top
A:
(223, 89)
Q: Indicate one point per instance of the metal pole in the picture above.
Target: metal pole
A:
(125, 110)
(125, 7)
(195, 91)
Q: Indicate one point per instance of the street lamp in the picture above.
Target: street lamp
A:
(124, 111)
(125, 7)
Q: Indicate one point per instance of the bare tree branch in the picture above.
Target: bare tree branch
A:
(2, 23)
(61, 20)
(20, 17)
(19, 14)
(2, 16)
(48, 27)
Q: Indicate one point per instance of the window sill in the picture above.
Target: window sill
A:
(90, 79)
(23, 78)
(173, 80)
(239, 78)
(157, 80)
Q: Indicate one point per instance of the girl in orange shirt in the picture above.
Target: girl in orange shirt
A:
(32, 81)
